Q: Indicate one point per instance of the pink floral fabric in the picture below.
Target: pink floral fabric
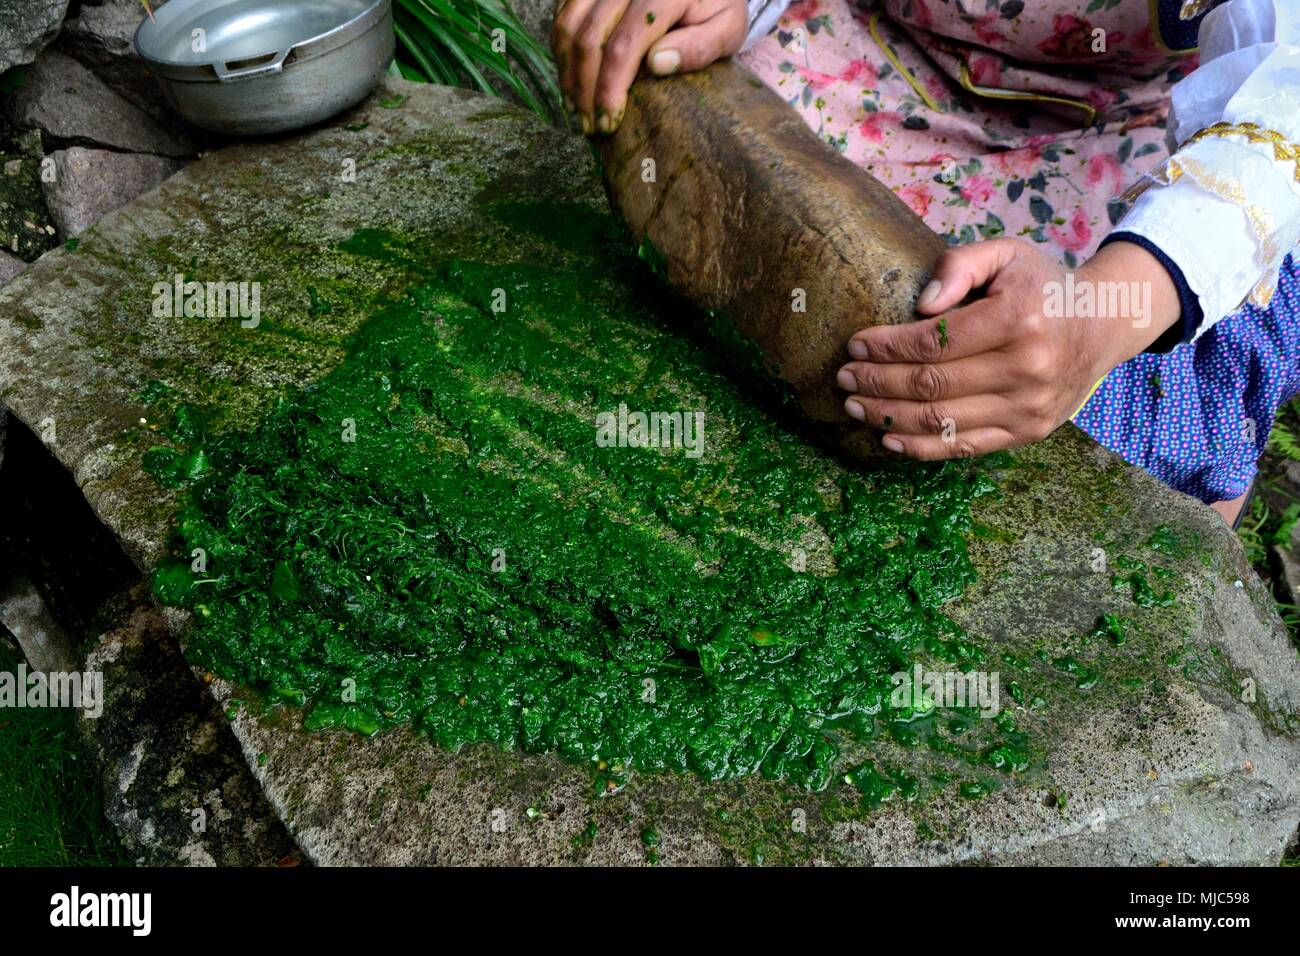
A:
(1048, 166)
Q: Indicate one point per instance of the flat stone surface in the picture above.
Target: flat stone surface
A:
(1182, 762)
(69, 103)
(90, 182)
(26, 26)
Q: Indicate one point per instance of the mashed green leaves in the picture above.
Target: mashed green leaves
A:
(432, 534)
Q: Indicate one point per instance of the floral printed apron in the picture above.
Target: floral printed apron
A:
(1005, 118)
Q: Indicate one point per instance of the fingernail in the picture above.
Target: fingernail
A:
(604, 122)
(586, 125)
(858, 349)
(929, 293)
(665, 62)
(845, 380)
(892, 443)
(568, 103)
(855, 410)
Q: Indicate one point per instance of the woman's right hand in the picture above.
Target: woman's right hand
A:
(599, 45)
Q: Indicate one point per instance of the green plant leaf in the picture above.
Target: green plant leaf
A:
(478, 44)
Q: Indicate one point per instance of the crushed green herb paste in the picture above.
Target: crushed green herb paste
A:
(432, 534)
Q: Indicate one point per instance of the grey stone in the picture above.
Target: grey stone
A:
(69, 104)
(156, 737)
(91, 182)
(100, 36)
(537, 17)
(107, 26)
(10, 266)
(26, 26)
(1286, 560)
(175, 784)
(1178, 764)
(44, 642)
(1293, 473)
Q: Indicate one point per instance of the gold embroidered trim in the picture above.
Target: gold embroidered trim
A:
(1194, 8)
(1267, 253)
(1090, 112)
(1284, 151)
(921, 91)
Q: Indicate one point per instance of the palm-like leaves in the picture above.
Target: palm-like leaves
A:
(475, 43)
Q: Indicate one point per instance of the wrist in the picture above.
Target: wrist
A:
(1137, 300)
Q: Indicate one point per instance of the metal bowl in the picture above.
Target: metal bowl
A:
(265, 66)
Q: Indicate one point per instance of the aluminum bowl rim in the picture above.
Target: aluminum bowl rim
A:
(304, 49)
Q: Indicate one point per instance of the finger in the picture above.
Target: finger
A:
(959, 334)
(644, 23)
(569, 18)
(983, 375)
(696, 46)
(931, 418)
(961, 444)
(963, 268)
(588, 53)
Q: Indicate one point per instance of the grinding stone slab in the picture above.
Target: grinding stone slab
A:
(1191, 773)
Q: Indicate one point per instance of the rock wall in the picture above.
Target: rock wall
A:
(82, 127)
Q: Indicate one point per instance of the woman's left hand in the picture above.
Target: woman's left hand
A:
(1011, 367)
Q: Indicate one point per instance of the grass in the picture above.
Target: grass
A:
(1275, 509)
(1274, 512)
(478, 44)
(50, 810)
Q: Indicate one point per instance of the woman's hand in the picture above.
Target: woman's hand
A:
(599, 45)
(1009, 368)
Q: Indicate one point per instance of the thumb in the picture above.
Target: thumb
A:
(961, 269)
(696, 46)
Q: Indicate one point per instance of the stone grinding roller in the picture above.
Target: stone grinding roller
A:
(754, 217)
